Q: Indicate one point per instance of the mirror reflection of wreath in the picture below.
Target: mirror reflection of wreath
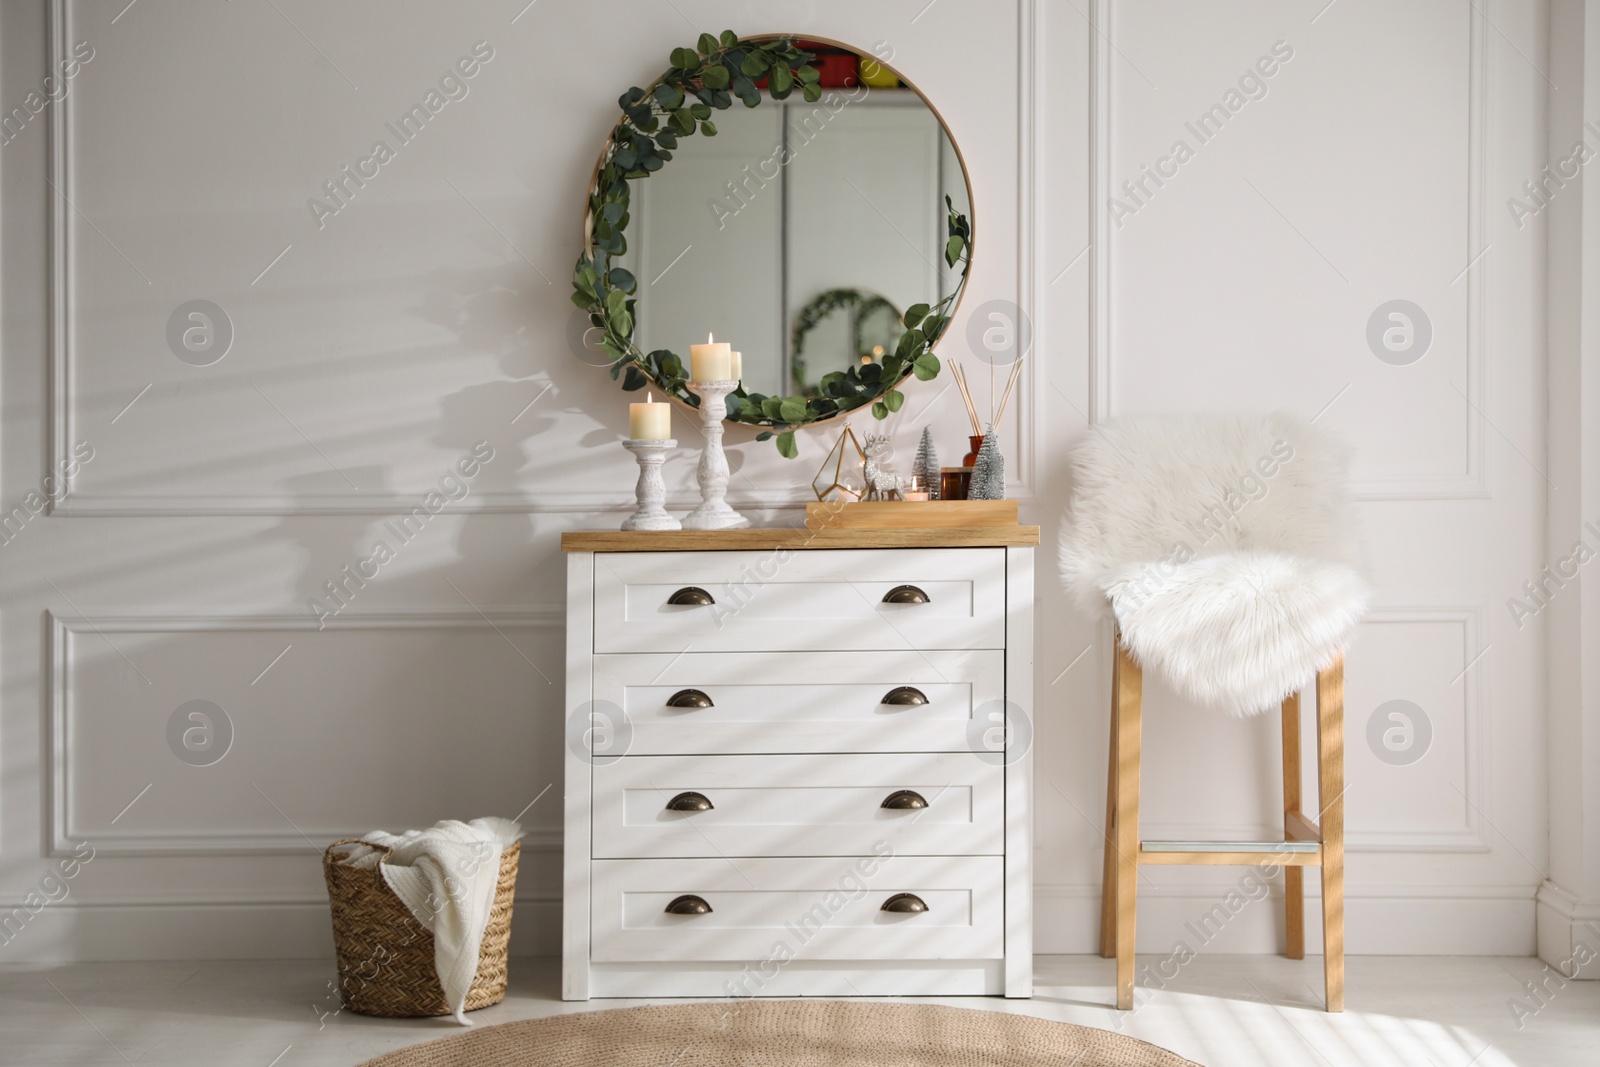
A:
(863, 305)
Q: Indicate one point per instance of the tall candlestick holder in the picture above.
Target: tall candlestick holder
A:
(651, 492)
(713, 512)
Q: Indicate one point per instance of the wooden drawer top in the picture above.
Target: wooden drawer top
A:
(792, 537)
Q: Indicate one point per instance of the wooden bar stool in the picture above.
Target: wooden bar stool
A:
(1306, 842)
(1225, 551)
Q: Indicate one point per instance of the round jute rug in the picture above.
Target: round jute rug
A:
(785, 1033)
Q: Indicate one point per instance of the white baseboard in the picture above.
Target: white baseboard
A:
(1379, 920)
(1569, 933)
(74, 932)
(1391, 921)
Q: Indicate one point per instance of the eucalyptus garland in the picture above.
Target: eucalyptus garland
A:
(679, 104)
(819, 309)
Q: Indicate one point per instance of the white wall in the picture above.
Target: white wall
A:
(370, 353)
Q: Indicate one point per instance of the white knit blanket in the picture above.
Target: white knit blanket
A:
(446, 877)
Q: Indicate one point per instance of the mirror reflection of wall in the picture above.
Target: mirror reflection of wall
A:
(789, 204)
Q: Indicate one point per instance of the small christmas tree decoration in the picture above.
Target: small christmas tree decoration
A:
(926, 466)
(989, 473)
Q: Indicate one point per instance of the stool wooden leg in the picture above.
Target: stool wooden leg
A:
(1128, 695)
(1294, 885)
(1330, 783)
(1108, 874)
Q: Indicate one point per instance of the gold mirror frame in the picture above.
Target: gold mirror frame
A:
(635, 142)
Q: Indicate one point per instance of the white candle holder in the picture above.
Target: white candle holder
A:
(651, 492)
(713, 512)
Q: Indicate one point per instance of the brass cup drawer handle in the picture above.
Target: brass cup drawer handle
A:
(905, 904)
(904, 800)
(905, 695)
(689, 904)
(906, 594)
(689, 698)
(691, 594)
(690, 802)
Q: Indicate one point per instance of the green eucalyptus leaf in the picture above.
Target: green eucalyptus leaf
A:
(667, 139)
(668, 96)
(764, 435)
(782, 80)
(613, 211)
(716, 77)
(786, 446)
(911, 342)
(926, 368)
(772, 406)
(754, 65)
(808, 74)
(812, 92)
(582, 299)
(634, 379)
(914, 314)
(629, 98)
(879, 411)
(622, 278)
(894, 399)
(616, 303)
(734, 403)
(651, 165)
(792, 409)
(610, 347)
(708, 128)
(952, 249)
(729, 38)
(700, 111)
(707, 44)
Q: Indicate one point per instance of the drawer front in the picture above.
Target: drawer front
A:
(804, 702)
(821, 909)
(803, 601)
(801, 805)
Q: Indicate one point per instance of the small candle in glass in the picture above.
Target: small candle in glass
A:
(915, 491)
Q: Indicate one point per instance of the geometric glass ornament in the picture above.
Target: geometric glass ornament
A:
(841, 476)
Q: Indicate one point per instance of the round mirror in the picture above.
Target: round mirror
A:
(796, 198)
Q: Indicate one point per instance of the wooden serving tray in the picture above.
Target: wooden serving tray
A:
(910, 514)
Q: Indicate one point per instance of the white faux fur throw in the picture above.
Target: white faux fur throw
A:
(1225, 548)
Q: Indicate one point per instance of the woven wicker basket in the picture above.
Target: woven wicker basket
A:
(385, 956)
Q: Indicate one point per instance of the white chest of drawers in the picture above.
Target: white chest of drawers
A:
(798, 763)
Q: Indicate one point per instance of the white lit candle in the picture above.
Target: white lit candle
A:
(710, 362)
(650, 421)
(736, 366)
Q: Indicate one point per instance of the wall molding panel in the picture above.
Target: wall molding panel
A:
(62, 827)
(1469, 483)
(64, 362)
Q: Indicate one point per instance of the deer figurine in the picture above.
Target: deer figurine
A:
(881, 484)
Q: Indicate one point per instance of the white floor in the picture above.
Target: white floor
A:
(1221, 1011)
